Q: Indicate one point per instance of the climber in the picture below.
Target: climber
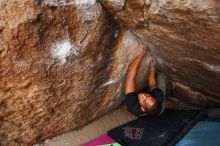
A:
(141, 104)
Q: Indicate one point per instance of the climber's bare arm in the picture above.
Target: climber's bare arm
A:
(130, 85)
(151, 78)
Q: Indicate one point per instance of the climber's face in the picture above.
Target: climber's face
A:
(146, 101)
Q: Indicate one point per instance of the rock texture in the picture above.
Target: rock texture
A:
(183, 36)
(63, 62)
(62, 65)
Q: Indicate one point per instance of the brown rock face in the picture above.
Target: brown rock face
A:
(63, 62)
(60, 67)
(55, 58)
(184, 39)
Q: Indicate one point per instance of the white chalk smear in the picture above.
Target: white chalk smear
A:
(62, 50)
(91, 2)
(119, 89)
(111, 81)
(162, 135)
(116, 34)
(210, 67)
(68, 2)
(110, 104)
(173, 69)
(159, 60)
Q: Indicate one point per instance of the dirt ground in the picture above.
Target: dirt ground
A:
(92, 130)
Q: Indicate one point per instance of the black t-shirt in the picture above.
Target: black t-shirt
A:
(133, 106)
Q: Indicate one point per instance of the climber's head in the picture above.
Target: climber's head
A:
(149, 104)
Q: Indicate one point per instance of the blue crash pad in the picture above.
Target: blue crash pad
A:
(204, 133)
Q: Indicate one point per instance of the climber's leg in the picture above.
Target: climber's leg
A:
(162, 82)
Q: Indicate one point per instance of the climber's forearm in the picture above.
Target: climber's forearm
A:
(133, 69)
(130, 85)
(151, 78)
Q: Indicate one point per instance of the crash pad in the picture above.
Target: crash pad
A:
(166, 129)
(204, 133)
(103, 140)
